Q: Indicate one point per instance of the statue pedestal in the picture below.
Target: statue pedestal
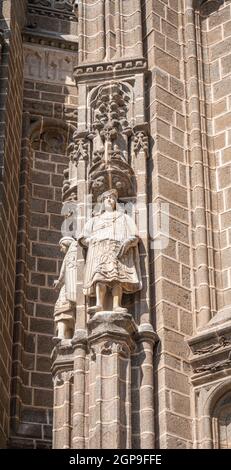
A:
(104, 385)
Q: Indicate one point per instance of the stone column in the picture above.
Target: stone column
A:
(63, 396)
(79, 391)
(111, 342)
(198, 170)
(147, 339)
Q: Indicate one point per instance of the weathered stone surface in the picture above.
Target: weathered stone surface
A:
(132, 62)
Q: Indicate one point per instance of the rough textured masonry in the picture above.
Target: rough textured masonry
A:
(132, 96)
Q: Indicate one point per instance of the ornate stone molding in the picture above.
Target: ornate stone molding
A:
(214, 366)
(111, 117)
(52, 40)
(141, 139)
(202, 3)
(63, 376)
(147, 333)
(49, 65)
(222, 343)
(108, 348)
(113, 69)
(118, 326)
(63, 9)
(79, 148)
(211, 352)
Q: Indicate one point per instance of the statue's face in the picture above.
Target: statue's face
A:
(110, 203)
(63, 248)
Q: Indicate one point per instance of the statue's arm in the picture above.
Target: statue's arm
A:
(84, 237)
(132, 232)
(132, 238)
(60, 281)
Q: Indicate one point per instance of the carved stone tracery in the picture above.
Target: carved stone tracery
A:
(63, 6)
(111, 119)
(78, 148)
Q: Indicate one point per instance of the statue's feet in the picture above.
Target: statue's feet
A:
(119, 309)
(94, 309)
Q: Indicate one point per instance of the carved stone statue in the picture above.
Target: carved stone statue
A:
(64, 312)
(112, 262)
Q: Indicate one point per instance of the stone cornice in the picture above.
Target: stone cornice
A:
(114, 69)
(51, 8)
(211, 353)
(45, 39)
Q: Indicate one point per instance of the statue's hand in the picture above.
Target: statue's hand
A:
(56, 284)
(85, 242)
(124, 249)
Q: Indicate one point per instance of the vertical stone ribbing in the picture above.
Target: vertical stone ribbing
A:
(11, 90)
(110, 381)
(63, 399)
(215, 34)
(168, 185)
(91, 38)
(79, 397)
(210, 347)
(147, 435)
(117, 90)
(197, 158)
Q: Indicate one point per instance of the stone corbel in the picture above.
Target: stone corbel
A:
(141, 138)
(79, 147)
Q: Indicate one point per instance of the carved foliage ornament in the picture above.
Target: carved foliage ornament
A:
(140, 141)
(110, 113)
(109, 348)
(62, 377)
(78, 148)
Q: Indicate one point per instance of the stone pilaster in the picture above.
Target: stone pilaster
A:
(111, 343)
(80, 397)
(112, 357)
(63, 378)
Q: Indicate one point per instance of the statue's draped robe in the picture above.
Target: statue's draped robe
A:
(64, 307)
(104, 235)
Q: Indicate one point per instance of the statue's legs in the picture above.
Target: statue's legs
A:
(117, 293)
(100, 295)
(64, 331)
(61, 329)
(101, 291)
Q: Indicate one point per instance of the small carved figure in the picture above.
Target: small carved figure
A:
(64, 312)
(112, 262)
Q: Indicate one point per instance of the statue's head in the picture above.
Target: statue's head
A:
(64, 243)
(75, 5)
(109, 200)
